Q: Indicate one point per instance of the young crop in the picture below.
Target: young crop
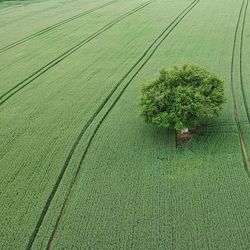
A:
(182, 97)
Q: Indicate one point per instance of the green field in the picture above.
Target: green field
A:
(79, 168)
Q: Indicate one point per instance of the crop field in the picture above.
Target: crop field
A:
(79, 168)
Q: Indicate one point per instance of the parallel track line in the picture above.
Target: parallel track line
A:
(245, 155)
(60, 176)
(241, 70)
(49, 28)
(174, 24)
(11, 92)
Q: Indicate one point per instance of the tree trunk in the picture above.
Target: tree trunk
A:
(185, 130)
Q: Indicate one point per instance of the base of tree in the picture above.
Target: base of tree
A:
(182, 138)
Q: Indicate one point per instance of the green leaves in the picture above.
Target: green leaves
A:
(182, 97)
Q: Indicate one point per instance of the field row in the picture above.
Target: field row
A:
(79, 168)
(135, 191)
(49, 114)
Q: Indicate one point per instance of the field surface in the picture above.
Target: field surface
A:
(79, 169)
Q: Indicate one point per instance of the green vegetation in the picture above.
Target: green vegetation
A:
(183, 97)
(79, 169)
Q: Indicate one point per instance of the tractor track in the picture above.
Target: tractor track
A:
(11, 92)
(241, 71)
(146, 56)
(245, 155)
(49, 28)
(29, 15)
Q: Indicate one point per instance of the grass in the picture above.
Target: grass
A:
(80, 169)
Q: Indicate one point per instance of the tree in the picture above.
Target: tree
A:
(182, 97)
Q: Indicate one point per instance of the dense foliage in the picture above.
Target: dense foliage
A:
(182, 97)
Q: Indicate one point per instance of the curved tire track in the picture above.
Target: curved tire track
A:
(11, 92)
(236, 115)
(241, 71)
(49, 28)
(245, 156)
(141, 63)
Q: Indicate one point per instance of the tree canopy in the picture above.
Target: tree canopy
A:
(182, 97)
